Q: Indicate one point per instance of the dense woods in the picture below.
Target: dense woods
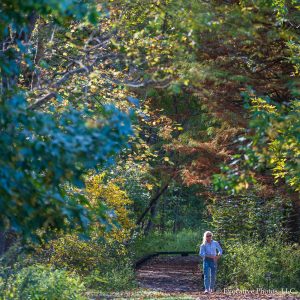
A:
(130, 127)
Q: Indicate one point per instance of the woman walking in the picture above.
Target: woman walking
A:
(208, 251)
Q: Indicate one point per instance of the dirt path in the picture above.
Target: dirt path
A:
(171, 274)
(176, 277)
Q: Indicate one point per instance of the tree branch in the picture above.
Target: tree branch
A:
(155, 199)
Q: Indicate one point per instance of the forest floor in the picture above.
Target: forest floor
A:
(179, 274)
(176, 277)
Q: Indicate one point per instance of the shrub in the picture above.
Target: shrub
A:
(42, 282)
(95, 260)
(251, 265)
(250, 216)
(98, 259)
(117, 277)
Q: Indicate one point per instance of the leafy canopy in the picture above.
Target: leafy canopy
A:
(44, 154)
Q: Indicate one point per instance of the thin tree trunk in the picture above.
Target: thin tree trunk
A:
(150, 223)
(295, 218)
(175, 219)
(2, 242)
(162, 218)
(154, 199)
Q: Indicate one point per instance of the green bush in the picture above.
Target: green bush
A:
(119, 277)
(251, 216)
(42, 282)
(103, 266)
(268, 264)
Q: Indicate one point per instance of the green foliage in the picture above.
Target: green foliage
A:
(118, 276)
(40, 153)
(214, 51)
(44, 283)
(17, 22)
(263, 263)
(254, 229)
(185, 240)
(276, 141)
(273, 143)
(17, 14)
(181, 208)
(102, 265)
(44, 154)
(192, 59)
(250, 216)
(294, 49)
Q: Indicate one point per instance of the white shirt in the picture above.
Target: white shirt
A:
(210, 249)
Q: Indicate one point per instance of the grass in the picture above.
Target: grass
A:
(185, 240)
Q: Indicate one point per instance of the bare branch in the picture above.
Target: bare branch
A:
(43, 100)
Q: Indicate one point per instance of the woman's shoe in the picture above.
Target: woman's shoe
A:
(206, 292)
(211, 290)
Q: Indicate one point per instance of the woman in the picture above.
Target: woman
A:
(208, 251)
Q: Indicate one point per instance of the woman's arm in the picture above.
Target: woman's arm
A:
(202, 251)
(220, 250)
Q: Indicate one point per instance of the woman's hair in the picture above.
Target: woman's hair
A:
(204, 236)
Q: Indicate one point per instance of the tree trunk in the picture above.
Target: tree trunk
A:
(175, 219)
(162, 216)
(150, 224)
(2, 242)
(154, 199)
(295, 218)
